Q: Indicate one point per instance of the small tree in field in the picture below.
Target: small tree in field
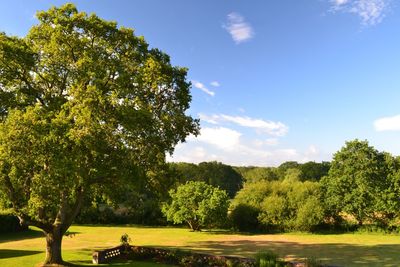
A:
(198, 204)
(83, 105)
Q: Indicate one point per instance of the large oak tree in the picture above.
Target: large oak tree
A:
(357, 183)
(83, 105)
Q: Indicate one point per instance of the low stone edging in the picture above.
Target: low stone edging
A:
(176, 257)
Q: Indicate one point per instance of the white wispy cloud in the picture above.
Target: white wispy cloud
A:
(340, 2)
(267, 142)
(203, 88)
(266, 126)
(239, 29)
(371, 12)
(221, 137)
(238, 151)
(215, 83)
(218, 142)
(387, 124)
(197, 154)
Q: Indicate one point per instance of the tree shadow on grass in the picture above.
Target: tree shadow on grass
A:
(139, 226)
(233, 232)
(28, 234)
(82, 263)
(334, 253)
(12, 253)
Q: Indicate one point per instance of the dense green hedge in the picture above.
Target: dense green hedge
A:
(9, 223)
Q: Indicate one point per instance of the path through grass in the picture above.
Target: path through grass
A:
(340, 249)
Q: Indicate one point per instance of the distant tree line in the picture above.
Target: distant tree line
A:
(361, 186)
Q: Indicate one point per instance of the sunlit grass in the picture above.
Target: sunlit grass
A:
(340, 249)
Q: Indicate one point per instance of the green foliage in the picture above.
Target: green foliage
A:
(275, 212)
(309, 171)
(198, 204)
(84, 105)
(292, 175)
(246, 206)
(125, 239)
(268, 259)
(136, 203)
(293, 206)
(213, 173)
(361, 183)
(221, 175)
(309, 214)
(9, 223)
(252, 194)
(256, 174)
(284, 205)
(243, 217)
(314, 171)
(281, 170)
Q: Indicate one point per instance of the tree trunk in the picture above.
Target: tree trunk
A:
(195, 226)
(53, 247)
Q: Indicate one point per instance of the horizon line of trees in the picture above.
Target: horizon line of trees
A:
(360, 186)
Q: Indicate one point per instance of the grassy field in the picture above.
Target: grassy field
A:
(26, 249)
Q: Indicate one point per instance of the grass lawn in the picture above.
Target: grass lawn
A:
(26, 249)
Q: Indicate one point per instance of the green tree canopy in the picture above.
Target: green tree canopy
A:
(198, 204)
(281, 169)
(83, 105)
(357, 179)
(222, 176)
(314, 171)
(213, 173)
(286, 205)
(256, 174)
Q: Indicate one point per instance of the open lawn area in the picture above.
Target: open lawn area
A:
(27, 249)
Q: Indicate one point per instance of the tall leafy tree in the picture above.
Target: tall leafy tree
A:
(388, 201)
(356, 181)
(84, 104)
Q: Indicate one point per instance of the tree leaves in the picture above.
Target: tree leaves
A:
(84, 104)
(198, 204)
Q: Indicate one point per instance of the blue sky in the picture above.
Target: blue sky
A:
(272, 80)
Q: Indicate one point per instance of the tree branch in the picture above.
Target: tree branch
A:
(74, 211)
(25, 219)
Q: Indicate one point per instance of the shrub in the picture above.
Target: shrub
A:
(244, 218)
(10, 223)
(275, 212)
(292, 205)
(147, 213)
(309, 215)
(268, 259)
(125, 239)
